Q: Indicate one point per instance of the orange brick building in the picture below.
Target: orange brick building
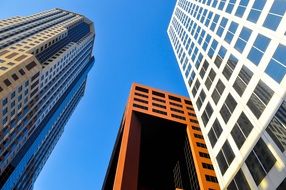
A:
(159, 145)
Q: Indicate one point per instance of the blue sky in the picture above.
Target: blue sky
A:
(131, 46)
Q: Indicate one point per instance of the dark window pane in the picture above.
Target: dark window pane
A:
(256, 106)
(241, 181)
(215, 96)
(244, 124)
(239, 86)
(220, 87)
(217, 128)
(264, 154)
(228, 152)
(253, 15)
(225, 114)
(231, 103)
(237, 136)
(212, 137)
(221, 162)
(255, 168)
(263, 92)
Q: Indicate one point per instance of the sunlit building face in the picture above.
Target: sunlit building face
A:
(232, 56)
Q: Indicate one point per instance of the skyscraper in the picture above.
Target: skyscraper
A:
(44, 62)
(232, 55)
(159, 145)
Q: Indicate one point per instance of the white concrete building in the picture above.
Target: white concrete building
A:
(232, 55)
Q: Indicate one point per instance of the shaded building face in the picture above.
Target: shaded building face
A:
(159, 145)
(45, 59)
(230, 56)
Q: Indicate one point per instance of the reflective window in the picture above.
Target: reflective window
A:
(231, 31)
(242, 39)
(275, 15)
(277, 65)
(214, 22)
(225, 157)
(212, 48)
(230, 66)
(210, 79)
(256, 10)
(239, 182)
(201, 99)
(207, 114)
(218, 91)
(221, 26)
(260, 161)
(220, 56)
(241, 8)
(241, 130)
(259, 47)
(215, 132)
(242, 80)
(204, 69)
(227, 108)
(259, 99)
(230, 6)
(277, 127)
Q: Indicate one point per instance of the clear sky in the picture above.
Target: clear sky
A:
(131, 46)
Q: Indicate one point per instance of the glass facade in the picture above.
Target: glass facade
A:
(53, 52)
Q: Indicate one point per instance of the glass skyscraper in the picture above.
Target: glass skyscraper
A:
(232, 55)
(44, 62)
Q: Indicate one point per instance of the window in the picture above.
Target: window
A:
(215, 132)
(230, 66)
(4, 101)
(15, 77)
(7, 82)
(260, 161)
(256, 10)
(218, 91)
(208, 166)
(276, 68)
(211, 178)
(242, 39)
(204, 155)
(239, 182)
(277, 127)
(31, 65)
(259, 47)
(22, 72)
(221, 26)
(174, 98)
(201, 99)
(241, 8)
(225, 157)
(13, 95)
(275, 15)
(227, 108)
(231, 31)
(207, 114)
(219, 58)
(204, 69)
(259, 98)
(241, 130)
(242, 80)
(158, 94)
(210, 79)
